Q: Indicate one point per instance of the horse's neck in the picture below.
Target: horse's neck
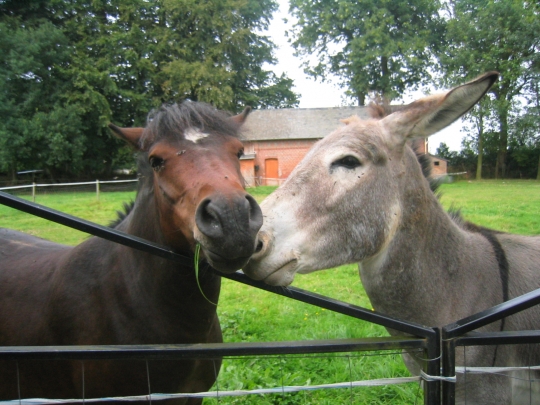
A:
(424, 265)
(143, 221)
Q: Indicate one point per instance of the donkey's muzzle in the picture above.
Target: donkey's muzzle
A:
(228, 229)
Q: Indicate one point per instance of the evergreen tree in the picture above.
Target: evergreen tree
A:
(68, 68)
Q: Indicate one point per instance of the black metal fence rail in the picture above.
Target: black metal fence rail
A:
(425, 338)
(205, 350)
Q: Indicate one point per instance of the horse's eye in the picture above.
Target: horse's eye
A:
(240, 153)
(156, 163)
(348, 162)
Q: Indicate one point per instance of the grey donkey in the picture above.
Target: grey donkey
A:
(359, 196)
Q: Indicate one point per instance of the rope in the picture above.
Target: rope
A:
(277, 390)
(474, 370)
(427, 377)
(480, 370)
(216, 394)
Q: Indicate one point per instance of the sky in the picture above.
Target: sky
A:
(317, 94)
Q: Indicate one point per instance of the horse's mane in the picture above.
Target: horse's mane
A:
(122, 214)
(172, 120)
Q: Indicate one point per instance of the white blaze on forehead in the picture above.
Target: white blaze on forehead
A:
(194, 135)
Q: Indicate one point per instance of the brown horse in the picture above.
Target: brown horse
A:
(190, 191)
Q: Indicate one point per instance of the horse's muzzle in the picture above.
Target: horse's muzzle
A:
(228, 229)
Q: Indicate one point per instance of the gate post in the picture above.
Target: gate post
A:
(448, 370)
(432, 367)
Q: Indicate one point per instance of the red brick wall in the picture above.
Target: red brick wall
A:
(288, 153)
(440, 166)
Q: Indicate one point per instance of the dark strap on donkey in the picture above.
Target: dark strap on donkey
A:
(503, 271)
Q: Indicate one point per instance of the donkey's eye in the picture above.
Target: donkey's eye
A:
(240, 153)
(156, 163)
(348, 162)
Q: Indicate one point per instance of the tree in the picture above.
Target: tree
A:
(373, 46)
(479, 118)
(524, 144)
(497, 35)
(443, 151)
(216, 54)
(34, 78)
(68, 68)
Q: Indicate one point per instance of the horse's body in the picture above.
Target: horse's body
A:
(100, 292)
(416, 262)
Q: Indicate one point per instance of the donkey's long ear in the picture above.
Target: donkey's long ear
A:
(241, 118)
(429, 115)
(130, 135)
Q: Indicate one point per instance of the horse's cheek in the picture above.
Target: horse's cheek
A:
(177, 229)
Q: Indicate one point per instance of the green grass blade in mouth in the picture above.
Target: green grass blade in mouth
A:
(196, 263)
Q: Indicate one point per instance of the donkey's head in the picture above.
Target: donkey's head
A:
(354, 191)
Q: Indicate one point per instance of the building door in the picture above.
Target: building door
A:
(271, 172)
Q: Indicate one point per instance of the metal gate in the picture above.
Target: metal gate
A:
(416, 337)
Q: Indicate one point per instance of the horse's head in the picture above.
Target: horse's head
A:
(355, 190)
(192, 151)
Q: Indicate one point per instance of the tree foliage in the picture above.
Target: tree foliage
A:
(373, 46)
(500, 35)
(67, 68)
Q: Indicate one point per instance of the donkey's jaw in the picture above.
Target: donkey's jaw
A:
(277, 261)
(283, 276)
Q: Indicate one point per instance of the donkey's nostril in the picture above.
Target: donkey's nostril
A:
(263, 244)
(259, 246)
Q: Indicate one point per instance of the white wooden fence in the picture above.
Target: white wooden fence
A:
(97, 184)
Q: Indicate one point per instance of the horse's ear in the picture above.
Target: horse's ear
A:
(130, 135)
(429, 115)
(241, 118)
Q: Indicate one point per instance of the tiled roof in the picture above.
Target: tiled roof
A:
(296, 123)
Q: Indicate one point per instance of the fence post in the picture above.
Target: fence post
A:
(33, 192)
(448, 370)
(97, 189)
(432, 367)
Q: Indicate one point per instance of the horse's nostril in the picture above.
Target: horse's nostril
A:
(207, 218)
(255, 213)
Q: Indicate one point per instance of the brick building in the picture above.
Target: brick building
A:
(276, 140)
(439, 166)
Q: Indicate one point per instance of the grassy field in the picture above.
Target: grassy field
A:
(248, 314)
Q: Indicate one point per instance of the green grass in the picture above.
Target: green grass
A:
(83, 205)
(509, 206)
(248, 314)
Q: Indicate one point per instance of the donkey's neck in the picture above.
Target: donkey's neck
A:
(419, 275)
